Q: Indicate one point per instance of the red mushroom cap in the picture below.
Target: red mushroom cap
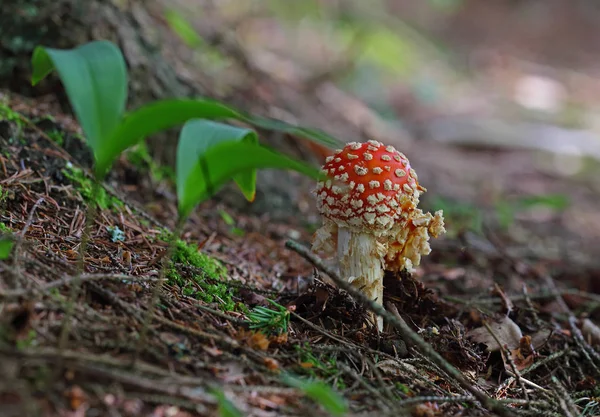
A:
(370, 186)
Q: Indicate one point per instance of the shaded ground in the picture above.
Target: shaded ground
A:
(200, 338)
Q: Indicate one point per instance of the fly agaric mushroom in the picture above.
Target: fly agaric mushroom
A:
(369, 203)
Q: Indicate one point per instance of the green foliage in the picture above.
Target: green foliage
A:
(95, 79)
(458, 215)
(320, 393)
(6, 246)
(190, 150)
(270, 321)
(230, 221)
(139, 156)
(56, 136)
(183, 29)
(85, 186)
(210, 173)
(225, 407)
(208, 285)
(4, 228)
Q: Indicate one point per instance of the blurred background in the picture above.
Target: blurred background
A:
(496, 102)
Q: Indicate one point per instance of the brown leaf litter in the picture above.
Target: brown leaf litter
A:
(530, 345)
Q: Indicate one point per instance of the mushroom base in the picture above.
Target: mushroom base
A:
(361, 263)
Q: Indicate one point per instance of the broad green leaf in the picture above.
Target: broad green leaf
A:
(222, 162)
(183, 28)
(6, 245)
(197, 136)
(95, 79)
(165, 114)
(320, 393)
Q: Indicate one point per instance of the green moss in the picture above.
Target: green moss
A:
(4, 228)
(204, 286)
(85, 186)
(56, 136)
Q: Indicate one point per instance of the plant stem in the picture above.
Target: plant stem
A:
(90, 216)
(157, 287)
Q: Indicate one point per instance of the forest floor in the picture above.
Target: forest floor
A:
(519, 324)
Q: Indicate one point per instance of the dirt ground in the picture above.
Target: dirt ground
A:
(533, 282)
(500, 319)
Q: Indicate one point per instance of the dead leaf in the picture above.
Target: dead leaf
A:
(507, 331)
(254, 340)
(271, 364)
(76, 397)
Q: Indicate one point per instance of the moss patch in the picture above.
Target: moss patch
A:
(85, 186)
(204, 286)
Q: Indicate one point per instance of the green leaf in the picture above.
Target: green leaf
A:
(6, 245)
(95, 79)
(165, 114)
(225, 407)
(220, 163)
(183, 28)
(321, 393)
(198, 136)
(558, 202)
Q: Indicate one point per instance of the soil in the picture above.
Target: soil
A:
(541, 306)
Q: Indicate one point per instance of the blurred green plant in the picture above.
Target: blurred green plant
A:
(6, 246)
(225, 407)
(320, 393)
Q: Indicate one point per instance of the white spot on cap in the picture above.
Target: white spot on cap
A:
(386, 158)
(374, 143)
(360, 170)
(325, 172)
(407, 188)
(413, 174)
(352, 156)
(387, 168)
(396, 187)
(373, 148)
(356, 203)
(374, 184)
(368, 156)
(355, 146)
(382, 208)
(387, 185)
(397, 158)
(337, 151)
(372, 199)
(352, 184)
(381, 196)
(328, 159)
(336, 190)
(400, 173)
(341, 168)
(360, 188)
(338, 159)
(344, 177)
(328, 184)
(370, 217)
(377, 170)
(390, 149)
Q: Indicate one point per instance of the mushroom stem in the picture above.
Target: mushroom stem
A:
(361, 263)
